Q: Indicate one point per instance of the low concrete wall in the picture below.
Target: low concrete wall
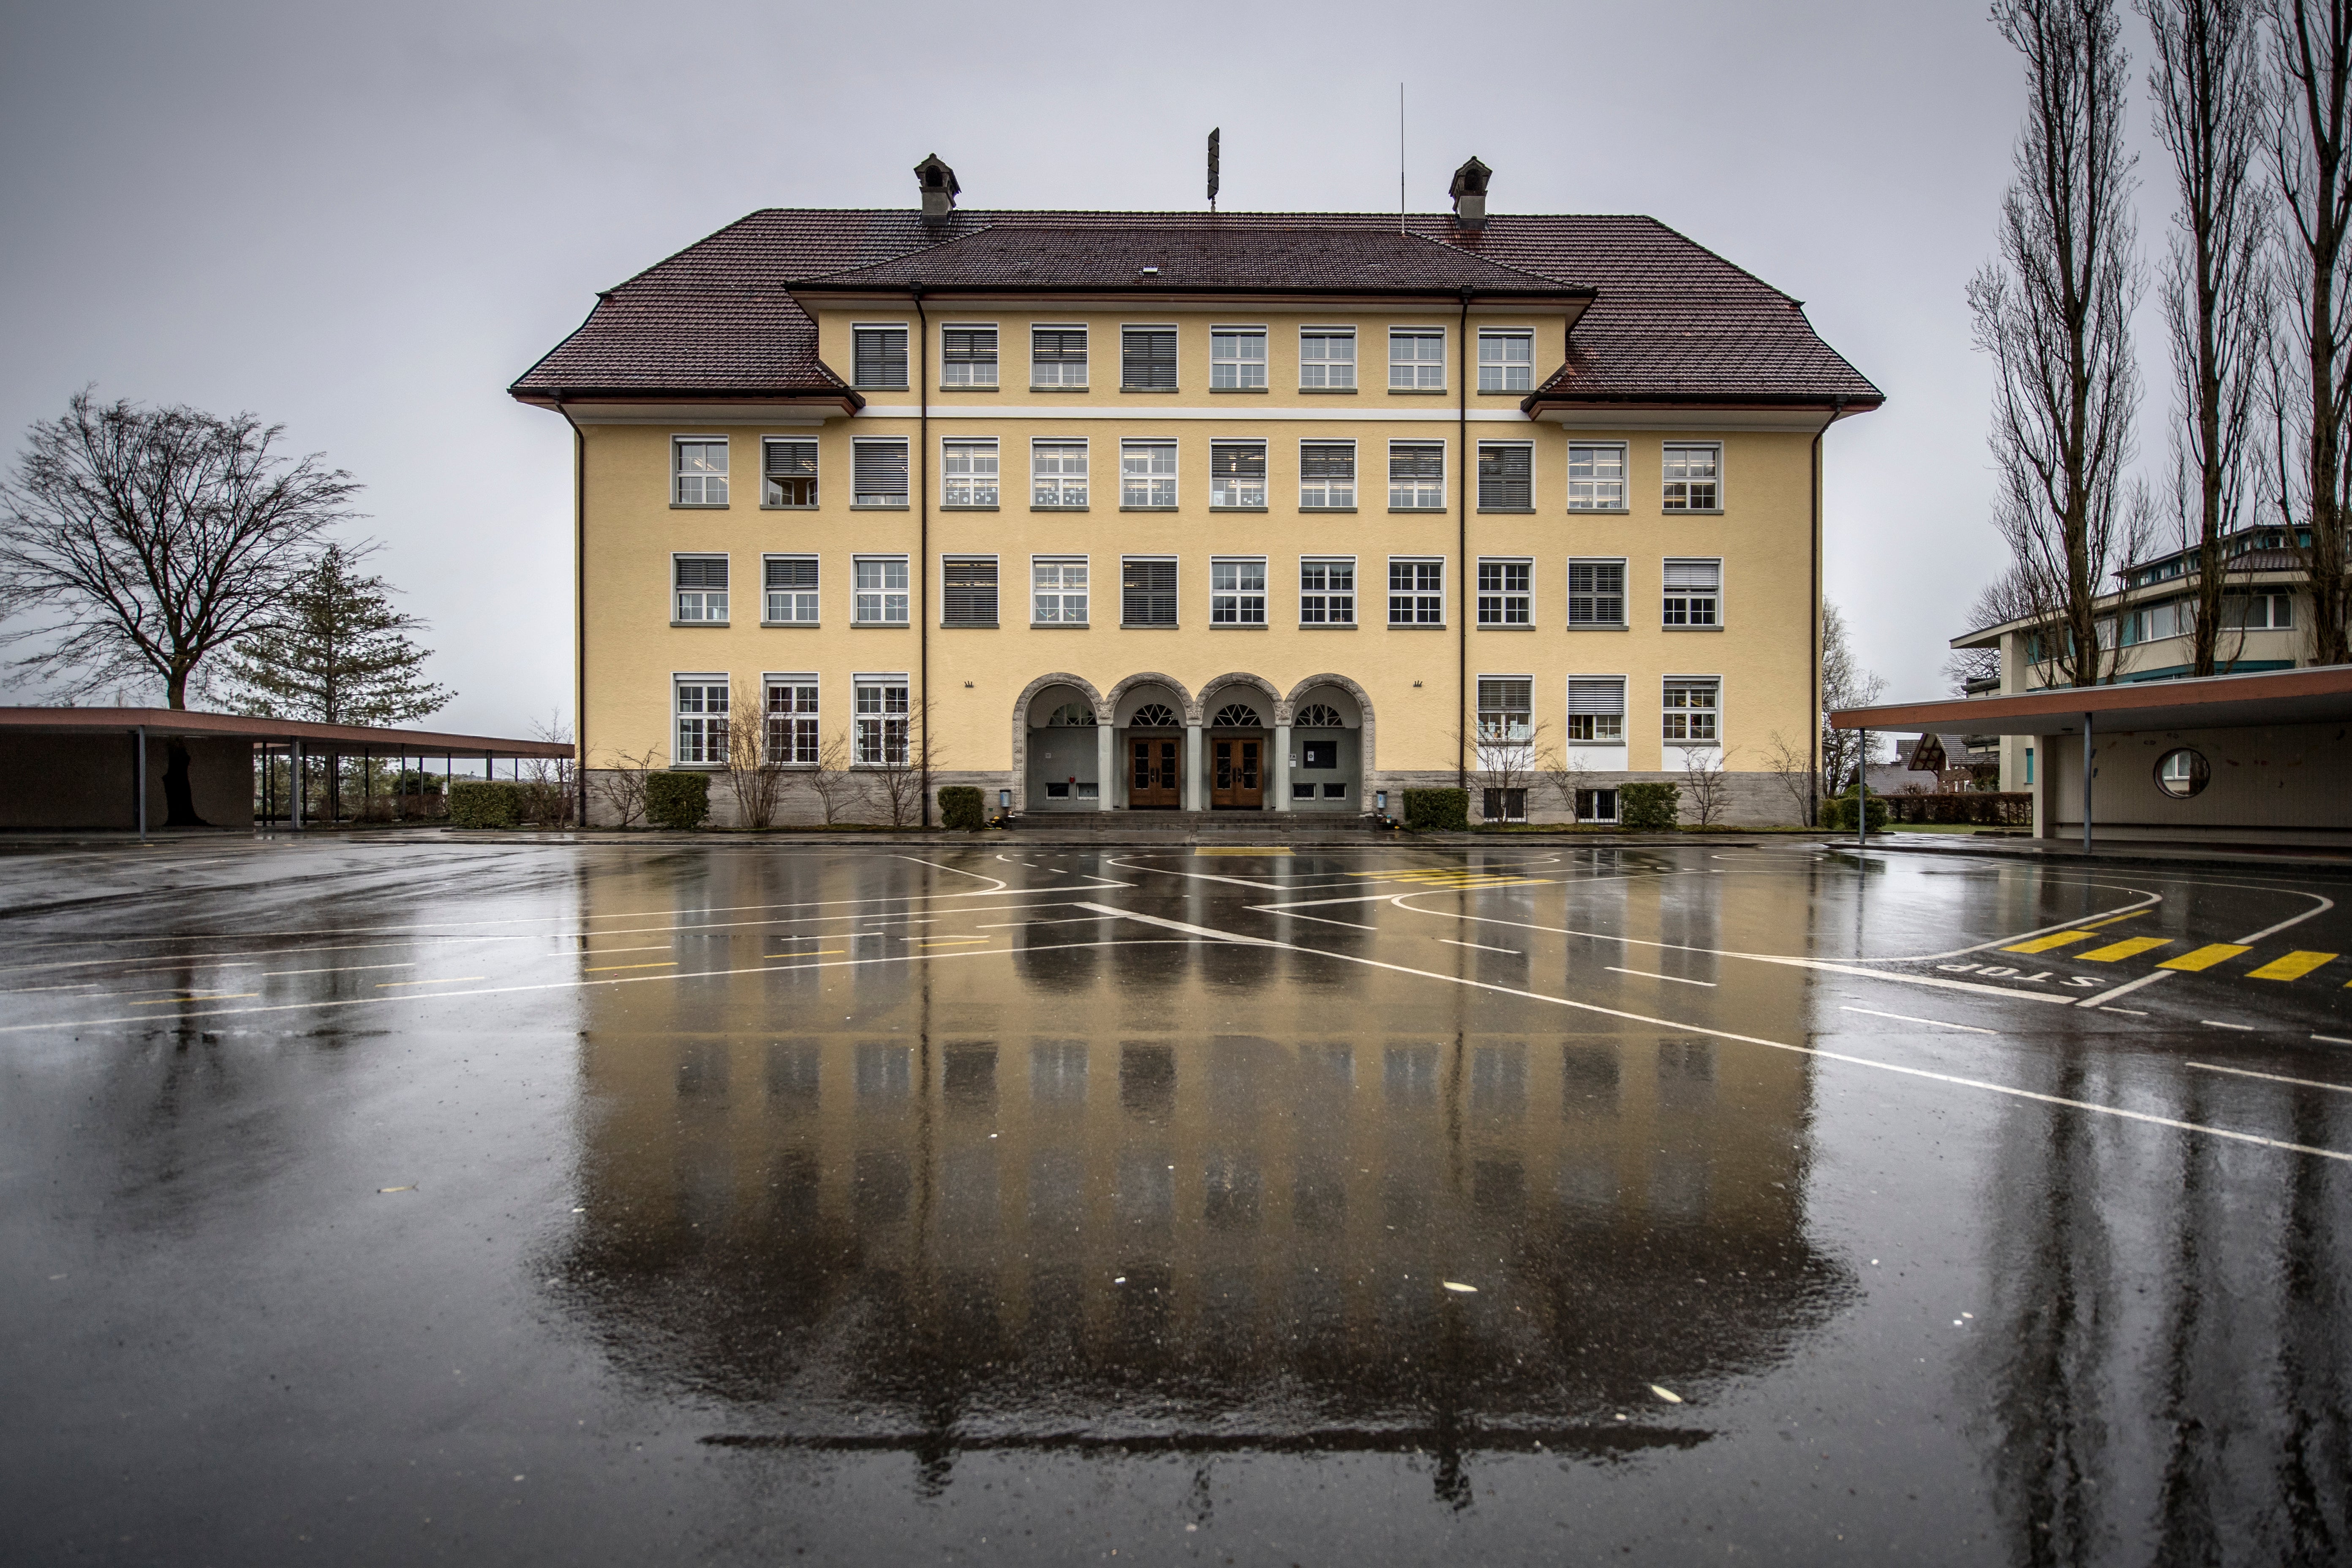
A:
(84, 779)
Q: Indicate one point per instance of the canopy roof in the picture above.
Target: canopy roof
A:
(2318, 695)
(345, 737)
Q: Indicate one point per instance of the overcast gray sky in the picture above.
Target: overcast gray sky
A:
(364, 221)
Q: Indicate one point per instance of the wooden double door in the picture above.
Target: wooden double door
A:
(1236, 774)
(1155, 772)
(1155, 777)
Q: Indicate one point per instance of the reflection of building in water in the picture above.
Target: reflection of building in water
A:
(1184, 1193)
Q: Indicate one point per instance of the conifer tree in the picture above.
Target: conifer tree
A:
(342, 654)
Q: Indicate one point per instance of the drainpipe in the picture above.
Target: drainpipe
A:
(579, 608)
(922, 586)
(1813, 746)
(1463, 718)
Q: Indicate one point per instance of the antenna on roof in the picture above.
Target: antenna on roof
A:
(1213, 170)
(1399, 157)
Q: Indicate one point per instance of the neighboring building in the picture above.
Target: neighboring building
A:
(1933, 764)
(1200, 510)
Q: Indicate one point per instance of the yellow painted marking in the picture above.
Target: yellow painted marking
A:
(451, 980)
(2204, 957)
(2124, 949)
(206, 996)
(2056, 939)
(2293, 966)
(1237, 849)
(932, 940)
(601, 968)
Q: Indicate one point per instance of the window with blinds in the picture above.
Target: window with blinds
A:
(1505, 593)
(968, 473)
(1694, 475)
(1326, 474)
(968, 357)
(698, 471)
(879, 357)
(1596, 593)
(1416, 475)
(1693, 593)
(790, 588)
(1596, 709)
(1057, 356)
(1057, 472)
(1596, 478)
(1506, 708)
(1147, 593)
(1237, 474)
(700, 584)
(878, 472)
(792, 720)
(1693, 711)
(967, 592)
(789, 473)
(1147, 359)
(1505, 476)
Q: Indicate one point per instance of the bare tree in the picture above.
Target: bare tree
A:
(2312, 385)
(621, 785)
(142, 541)
(1507, 762)
(1566, 775)
(900, 769)
(2214, 102)
(753, 776)
(2004, 599)
(2055, 312)
(1844, 684)
(831, 781)
(550, 783)
(1792, 767)
(1706, 787)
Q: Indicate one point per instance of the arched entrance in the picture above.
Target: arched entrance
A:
(1237, 743)
(1151, 748)
(1064, 751)
(1326, 750)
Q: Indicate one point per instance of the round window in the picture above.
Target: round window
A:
(2181, 773)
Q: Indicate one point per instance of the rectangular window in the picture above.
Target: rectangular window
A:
(1505, 476)
(1147, 593)
(1147, 359)
(1237, 473)
(1694, 475)
(1416, 359)
(1416, 475)
(968, 357)
(1237, 593)
(1416, 593)
(1506, 708)
(1693, 593)
(1057, 356)
(881, 591)
(1327, 592)
(789, 473)
(1596, 711)
(1147, 473)
(967, 592)
(1326, 474)
(879, 357)
(1596, 478)
(1327, 356)
(881, 721)
(701, 587)
(698, 471)
(789, 583)
(1237, 357)
(2255, 612)
(1596, 593)
(968, 473)
(1596, 806)
(701, 721)
(1058, 589)
(878, 472)
(1692, 710)
(1057, 474)
(792, 721)
(1505, 593)
(1506, 362)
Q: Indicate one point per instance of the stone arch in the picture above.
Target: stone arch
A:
(1021, 724)
(1363, 709)
(1185, 703)
(1278, 710)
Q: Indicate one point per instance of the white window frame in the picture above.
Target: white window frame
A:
(704, 609)
(796, 724)
(1177, 372)
(1060, 378)
(1316, 606)
(1237, 590)
(1698, 609)
(857, 499)
(969, 369)
(1479, 477)
(1151, 482)
(1418, 489)
(709, 485)
(1605, 729)
(1623, 568)
(1680, 492)
(1502, 373)
(1417, 369)
(1598, 493)
(1512, 607)
(967, 558)
(1669, 714)
(805, 605)
(1059, 490)
(1520, 734)
(692, 747)
(1231, 367)
(1237, 494)
(1176, 586)
(1323, 374)
(1060, 591)
(1327, 495)
(969, 471)
(882, 598)
(1419, 597)
(906, 346)
(816, 455)
(880, 731)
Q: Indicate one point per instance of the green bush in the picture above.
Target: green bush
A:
(1837, 812)
(1649, 807)
(960, 809)
(478, 803)
(678, 800)
(1437, 810)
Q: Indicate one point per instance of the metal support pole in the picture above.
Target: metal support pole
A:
(1862, 788)
(2090, 760)
(142, 783)
(294, 771)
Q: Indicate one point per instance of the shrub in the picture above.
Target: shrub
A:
(478, 803)
(960, 809)
(1437, 810)
(678, 800)
(1649, 807)
(1837, 814)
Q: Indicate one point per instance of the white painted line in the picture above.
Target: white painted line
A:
(1318, 903)
(2324, 905)
(2126, 989)
(2217, 1024)
(1327, 920)
(1482, 947)
(451, 980)
(1017, 925)
(2273, 1077)
(1647, 975)
(2332, 1040)
(1932, 1023)
(347, 969)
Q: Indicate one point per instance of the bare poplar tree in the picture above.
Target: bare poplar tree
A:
(2055, 312)
(2312, 387)
(2004, 599)
(2211, 85)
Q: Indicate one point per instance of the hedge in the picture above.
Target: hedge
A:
(1437, 810)
(1649, 807)
(478, 803)
(1837, 812)
(678, 800)
(1983, 807)
(960, 809)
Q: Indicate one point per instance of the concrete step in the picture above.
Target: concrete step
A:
(1254, 825)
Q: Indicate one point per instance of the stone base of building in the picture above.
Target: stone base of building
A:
(1748, 799)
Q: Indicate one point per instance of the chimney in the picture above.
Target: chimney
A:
(939, 185)
(1469, 193)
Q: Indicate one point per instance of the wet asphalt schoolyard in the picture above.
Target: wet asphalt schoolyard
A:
(398, 1199)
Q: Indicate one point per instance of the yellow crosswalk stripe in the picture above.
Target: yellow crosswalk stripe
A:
(2293, 966)
(2124, 949)
(2056, 939)
(2204, 957)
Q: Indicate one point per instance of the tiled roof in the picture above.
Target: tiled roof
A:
(1672, 320)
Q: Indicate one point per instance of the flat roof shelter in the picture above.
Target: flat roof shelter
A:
(112, 767)
(2261, 757)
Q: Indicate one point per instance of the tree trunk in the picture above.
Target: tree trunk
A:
(179, 797)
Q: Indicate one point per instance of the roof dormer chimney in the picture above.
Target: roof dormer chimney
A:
(939, 186)
(1469, 193)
